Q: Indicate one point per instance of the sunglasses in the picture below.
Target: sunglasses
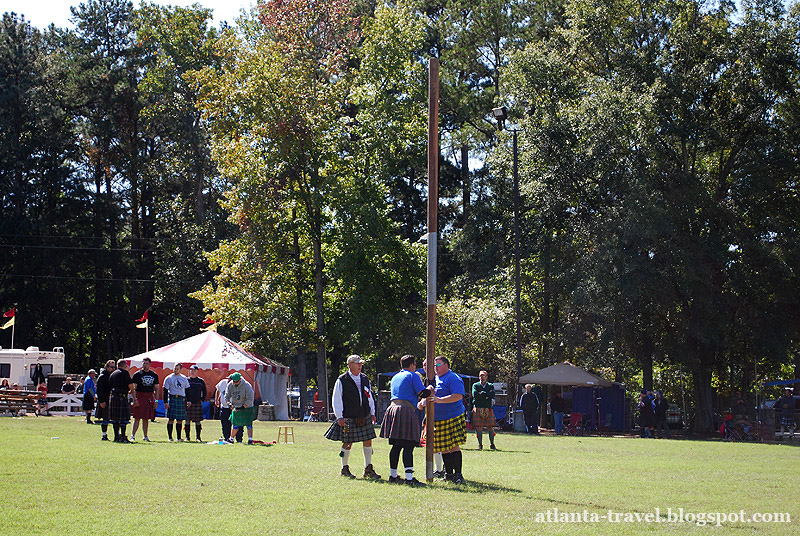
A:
(438, 364)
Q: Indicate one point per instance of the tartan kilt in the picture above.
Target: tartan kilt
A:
(243, 417)
(449, 434)
(194, 413)
(400, 422)
(787, 422)
(88, 402)
(119, 411)
(177, 408)
(350, 433)
(145, 407)
(483, 417)
(101, 414)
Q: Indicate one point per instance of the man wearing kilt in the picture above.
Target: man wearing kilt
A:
(354, 408)
(174, 390)
(146, 382)
(483, 409)
(401, 425)
(449, 427)
(119, 414)
(103, 396)
(241, 396)
(195, 396)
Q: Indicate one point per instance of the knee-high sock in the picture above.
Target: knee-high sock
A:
(345, 454)
(116, 431)
(197, 428)
(169, 430)
(491, 436)
(438, 459)
(122, 430)
(456, 460)
(187, 429)
(479, 435)
(367, 456)
(408, 462)
(104, 429)
(448, 463)
(394, 457)
(178, 430)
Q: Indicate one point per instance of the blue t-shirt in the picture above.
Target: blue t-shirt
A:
(88, 386)
(448, 384)
(405, 386)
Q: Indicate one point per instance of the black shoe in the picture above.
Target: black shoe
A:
(395, 480)
(415, 483)
(480, 447)
(369, 472)
(493, 447)
(89, 422)
(346, 472)
(458, 479)
(439, 474)
(104, 438)
(124, 440)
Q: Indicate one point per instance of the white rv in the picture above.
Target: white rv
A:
(16, 365)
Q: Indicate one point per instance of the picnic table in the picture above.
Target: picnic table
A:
(14, 401)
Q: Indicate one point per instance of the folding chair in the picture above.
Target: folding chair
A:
(575, 424)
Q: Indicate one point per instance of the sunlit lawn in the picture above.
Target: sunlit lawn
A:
(57, 477)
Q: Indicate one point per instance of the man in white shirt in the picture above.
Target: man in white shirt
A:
(354, 408)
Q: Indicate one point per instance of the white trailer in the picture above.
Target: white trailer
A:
(16, 365)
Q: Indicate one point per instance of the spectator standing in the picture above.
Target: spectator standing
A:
(483, 409)
(529, 403)
(660, 407)
(146, 384)
(41, 404)
(195, 396)
(37, 375)
(646, 415)
(89, 394)
(557, 406)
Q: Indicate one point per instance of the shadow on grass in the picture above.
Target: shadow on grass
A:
(470, 486)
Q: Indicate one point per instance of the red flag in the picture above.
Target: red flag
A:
(208, 321)
(144, 317)
(11, 313)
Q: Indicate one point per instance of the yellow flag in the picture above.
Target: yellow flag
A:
(9, 323)
(143, 325)
(212, 327)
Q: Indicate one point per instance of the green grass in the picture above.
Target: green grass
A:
(57, 477)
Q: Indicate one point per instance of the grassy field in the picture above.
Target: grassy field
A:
(57, 477)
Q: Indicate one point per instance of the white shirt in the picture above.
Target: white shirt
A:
(338, 405)
(223, 401)
(176, 384)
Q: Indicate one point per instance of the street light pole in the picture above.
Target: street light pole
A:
(501, 114)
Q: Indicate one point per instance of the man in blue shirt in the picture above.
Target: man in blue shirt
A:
(89, 394)
(450, 429)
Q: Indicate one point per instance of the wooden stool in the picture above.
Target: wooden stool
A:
(286, 431)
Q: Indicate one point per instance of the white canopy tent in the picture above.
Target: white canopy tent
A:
(217, 357)
(564, 374)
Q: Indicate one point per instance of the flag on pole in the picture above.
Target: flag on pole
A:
(11, 313)
(143, 321)
(9, 323)
(209, 324)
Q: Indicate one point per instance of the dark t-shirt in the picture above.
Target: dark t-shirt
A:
(145, 381)
(119, 382)
(196, 391)
(67, 388)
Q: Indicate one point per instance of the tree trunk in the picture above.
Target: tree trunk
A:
(466, 184)
(319, 292)
(300, 313)
(703, 399)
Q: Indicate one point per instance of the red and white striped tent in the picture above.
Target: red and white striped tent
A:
(218, 357)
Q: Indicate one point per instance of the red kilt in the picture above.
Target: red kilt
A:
(194, 413)
(400, 422)
(146, 406)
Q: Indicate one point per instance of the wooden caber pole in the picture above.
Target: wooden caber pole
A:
(433, 210)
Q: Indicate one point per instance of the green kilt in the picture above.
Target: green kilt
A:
(449, 434)
(243, 416)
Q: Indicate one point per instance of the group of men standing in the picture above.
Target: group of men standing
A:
(120, 396)
(354, 410)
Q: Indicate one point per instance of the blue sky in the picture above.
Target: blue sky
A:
(41, 13)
